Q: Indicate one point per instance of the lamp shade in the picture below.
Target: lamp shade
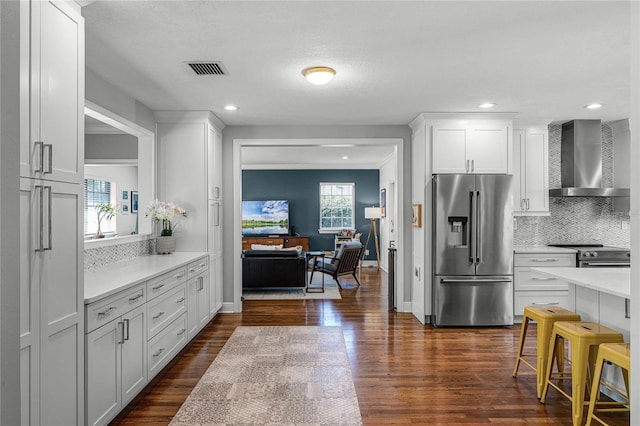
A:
(372, 212)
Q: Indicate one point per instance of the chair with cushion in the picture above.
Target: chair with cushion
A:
(345, 262)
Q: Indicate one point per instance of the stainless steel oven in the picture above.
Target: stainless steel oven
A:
(599, 256)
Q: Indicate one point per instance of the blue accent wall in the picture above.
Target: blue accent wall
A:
(301, 188)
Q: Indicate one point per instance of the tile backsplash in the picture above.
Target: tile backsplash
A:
(102, 256)
(579, 219)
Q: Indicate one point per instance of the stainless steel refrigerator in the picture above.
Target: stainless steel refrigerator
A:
(472, 250)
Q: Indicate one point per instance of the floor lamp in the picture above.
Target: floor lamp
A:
(373, 213)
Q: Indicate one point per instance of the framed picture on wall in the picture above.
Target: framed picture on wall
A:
(134, 201)
(383, 202)
(125, 208)
(416, 215)
(125, 195)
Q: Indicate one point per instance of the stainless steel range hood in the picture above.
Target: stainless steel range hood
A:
(581, 162)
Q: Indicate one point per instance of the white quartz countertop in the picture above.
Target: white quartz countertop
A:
(542, 249)
(614, 281)
(107, 280)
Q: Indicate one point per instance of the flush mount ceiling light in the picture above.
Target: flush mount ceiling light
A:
(594, 105)
(231, 107)
(487, 105)
(345, 157)
(318, 75)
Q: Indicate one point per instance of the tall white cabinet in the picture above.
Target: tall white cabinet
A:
(189, 146)
(51, 241)
(531, 171)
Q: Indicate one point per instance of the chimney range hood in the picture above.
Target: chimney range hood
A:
(581, 162)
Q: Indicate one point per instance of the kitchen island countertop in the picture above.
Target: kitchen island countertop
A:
(542, 250)
(614, 281)
(107, 280)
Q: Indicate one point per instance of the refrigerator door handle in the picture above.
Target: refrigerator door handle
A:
(478, 229)
(468, 281)
(472, 230)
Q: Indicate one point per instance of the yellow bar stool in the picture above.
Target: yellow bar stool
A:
(618, 354)
(545, 316)
(584, 338)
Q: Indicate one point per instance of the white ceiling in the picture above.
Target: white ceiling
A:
(544, 60)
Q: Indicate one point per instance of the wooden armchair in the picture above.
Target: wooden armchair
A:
(344, 263)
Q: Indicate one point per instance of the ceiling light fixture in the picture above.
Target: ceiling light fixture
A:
(487, 105)
(594, 105)
(231, 107)
(318, 75)
(344, 157)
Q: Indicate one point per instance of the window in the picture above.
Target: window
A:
(96, 192)
(336, 206)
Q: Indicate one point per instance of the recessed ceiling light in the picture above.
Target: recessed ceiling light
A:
(594, 105)
(231, 107)
(344, 157)
(318, 75)
(487, 105)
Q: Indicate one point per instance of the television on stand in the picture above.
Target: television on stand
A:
(265, 218)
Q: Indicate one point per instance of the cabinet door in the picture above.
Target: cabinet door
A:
(133, 354)
(55, 148)
(215, 288)
(536, 172)
(519, 169)
(103, 373)
(449, 149)
(198, 303)
(214, 166)
(488, 149)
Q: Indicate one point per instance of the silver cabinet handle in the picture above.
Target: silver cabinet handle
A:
(521, 203)
(40, 145)
(544, 260)
(202, 265)
(462, 281)
(180, 275)
(217, 221)
(545, 303)
(136, 297)
(543, 279)
(120, 330)
(192, 270)
(180, 300)
(473, 165)
(50, 162)
(40, 189)
(49, 216)
(158, 316)
(528, 204)
(467, 166)
(157, 354)
(125, 322)
(201, 283)
(181, 332)
(158, 287)
(107, 312)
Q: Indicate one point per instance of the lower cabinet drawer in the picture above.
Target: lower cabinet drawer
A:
(104, 311)
(542, 298)
(164, 309)
(166, 344)
(526, 279)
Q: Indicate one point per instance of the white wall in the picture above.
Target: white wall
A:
(125, 178)
(387, 181)
(110, 147)
(9, 214)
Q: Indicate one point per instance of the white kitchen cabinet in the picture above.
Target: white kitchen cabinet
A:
(214, 173)
(531, 172)
(165, 308)
(198, 303)
(52, 302)
(534, 288)
(53, 63)
(166, 344)
(480, 147)
(116, 365)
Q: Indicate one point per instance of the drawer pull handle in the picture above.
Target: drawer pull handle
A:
(192, 270)
(158, 287)
(158, 316)
(157, 354)
(180, 275)
(181, 332)
(107, 312)
(545, 303)
(133, 299)
(180, 300)
(543, 279)
(544, 260)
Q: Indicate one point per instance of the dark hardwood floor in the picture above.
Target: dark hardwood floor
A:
(404, 373)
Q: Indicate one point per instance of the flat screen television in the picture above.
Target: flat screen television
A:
(266, 217)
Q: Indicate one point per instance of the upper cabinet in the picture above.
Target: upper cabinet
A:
(214, 171)
(531, 172)
(53, 81)
(474, 146)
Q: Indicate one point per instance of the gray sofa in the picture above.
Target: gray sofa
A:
(263, 269)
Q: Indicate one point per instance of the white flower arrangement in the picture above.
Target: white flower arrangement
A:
(165, 212)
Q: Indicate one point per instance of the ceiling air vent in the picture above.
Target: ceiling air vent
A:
(208, 68)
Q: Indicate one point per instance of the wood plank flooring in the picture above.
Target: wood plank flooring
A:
(405, 373)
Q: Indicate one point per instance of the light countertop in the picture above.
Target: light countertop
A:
(110, 279)
(614, 281)
(542, 250)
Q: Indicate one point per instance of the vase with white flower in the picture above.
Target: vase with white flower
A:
(165, 213)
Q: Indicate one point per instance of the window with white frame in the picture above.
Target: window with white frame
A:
(95, 192)
(337, 201)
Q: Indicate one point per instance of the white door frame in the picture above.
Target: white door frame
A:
(398, 144)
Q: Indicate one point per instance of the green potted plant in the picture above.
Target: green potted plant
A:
(104, 211)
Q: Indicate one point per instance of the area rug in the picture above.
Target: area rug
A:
(276, 376)
(331, 291)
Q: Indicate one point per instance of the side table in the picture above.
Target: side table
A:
(315, 255)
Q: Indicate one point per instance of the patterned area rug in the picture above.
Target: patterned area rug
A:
(276, 376)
